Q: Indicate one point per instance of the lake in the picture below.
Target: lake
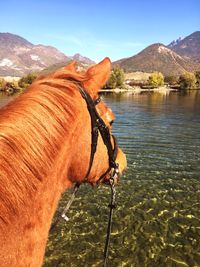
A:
(157, 220)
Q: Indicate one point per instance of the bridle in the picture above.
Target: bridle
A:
(97, 126)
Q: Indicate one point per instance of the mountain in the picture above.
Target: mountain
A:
(157, 57)
(80, 65)
(85, 60)
(174, 42)
(19, 57)
(189, 47)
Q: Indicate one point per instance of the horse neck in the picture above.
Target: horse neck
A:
(26, 235)
(27, 213)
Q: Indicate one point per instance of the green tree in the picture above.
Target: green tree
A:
(187, 81)
(156, 79)
(111, 83)
(116, 78)
(25, 81)
(197, 76)
(119, 74)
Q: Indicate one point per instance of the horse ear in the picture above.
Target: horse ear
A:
(98, 76)
(67, 71)
(71, 66)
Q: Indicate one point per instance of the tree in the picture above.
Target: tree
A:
(119, 74)
(156, 79)
(111, 83)
(187, 81)
(172, 80)
(25, 81)
(116, 78)
(197, 75)
(2, 83)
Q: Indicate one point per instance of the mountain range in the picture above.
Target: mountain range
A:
(180, 56)
(19, 57)
(189, 47)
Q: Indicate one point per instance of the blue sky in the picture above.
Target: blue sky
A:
(98, 29)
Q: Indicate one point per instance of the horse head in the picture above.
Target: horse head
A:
(82, 168)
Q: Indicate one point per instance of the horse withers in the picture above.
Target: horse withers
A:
(45, 148)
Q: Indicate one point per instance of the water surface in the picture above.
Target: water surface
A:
(157, 221)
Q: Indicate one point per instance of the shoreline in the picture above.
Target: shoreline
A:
(139, 90)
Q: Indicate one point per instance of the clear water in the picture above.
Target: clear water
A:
(157, 221)
(5, 98)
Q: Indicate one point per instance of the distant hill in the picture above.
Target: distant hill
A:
(79, 66)
(85, 60)
(157, 57)
(189, 47)
(175, 42)
(19, 57)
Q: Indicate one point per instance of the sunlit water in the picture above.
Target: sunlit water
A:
(157, 221)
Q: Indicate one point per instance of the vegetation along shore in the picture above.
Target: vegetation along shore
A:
(120, 81)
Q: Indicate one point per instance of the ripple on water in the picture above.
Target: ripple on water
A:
(157, 221)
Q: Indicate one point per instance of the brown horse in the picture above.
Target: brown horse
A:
(45, 143)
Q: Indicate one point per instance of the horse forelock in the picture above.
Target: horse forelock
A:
(32, 131)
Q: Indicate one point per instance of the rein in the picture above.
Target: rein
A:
(97, 125)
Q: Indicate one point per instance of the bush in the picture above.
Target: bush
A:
(111, 83)
(156, 79)
(2, 83)
(116, 78)
(172, 80)
(25, 81)
(187, 81)
(197, 76)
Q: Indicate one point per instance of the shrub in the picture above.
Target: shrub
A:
(2, 83)
(187, 81)
(156, 79)
(25, 81)
(197, 76)
(116, 78)
(171, 79)
(111, 83)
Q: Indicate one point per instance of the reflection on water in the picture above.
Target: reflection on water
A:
(157, 222)
(5, 98)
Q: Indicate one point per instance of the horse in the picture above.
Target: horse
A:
(45, 144)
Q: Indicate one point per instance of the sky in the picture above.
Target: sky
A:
(98, 29)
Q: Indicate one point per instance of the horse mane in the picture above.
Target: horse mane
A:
(32, 130)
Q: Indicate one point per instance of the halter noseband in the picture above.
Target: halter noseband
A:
(98, 125)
